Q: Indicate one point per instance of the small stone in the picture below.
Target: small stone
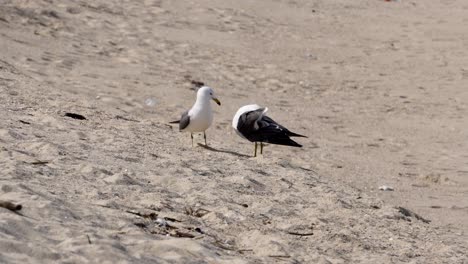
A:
(386, 188)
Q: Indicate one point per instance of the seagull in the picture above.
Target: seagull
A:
(199, 117)
(251, 123)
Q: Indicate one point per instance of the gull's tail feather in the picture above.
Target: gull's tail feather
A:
(284, 142)
(174, 122)
(292, 134)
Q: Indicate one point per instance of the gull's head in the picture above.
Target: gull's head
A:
(244, 109)
(206, 94)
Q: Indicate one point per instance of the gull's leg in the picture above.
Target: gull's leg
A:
(191, 136)
(255, 152)
(204, 136)
(261, 148)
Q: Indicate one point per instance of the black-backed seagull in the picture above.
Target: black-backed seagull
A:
(251, 123)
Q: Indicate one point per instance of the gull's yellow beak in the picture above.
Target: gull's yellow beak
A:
(217, 101)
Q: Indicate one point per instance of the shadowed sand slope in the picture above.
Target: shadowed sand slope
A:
(87, 89)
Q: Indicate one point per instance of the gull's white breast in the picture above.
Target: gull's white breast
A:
(201, 118)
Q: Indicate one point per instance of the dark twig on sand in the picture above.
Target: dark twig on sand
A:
(151, 215)
(40, 162)
(24, 122)
(177, 233)
(290, 184)
(224, 246)
(75, 116)
(10, 206)
(195, 83)
(279, 256)
(171, 219)
(126, 118)
(199, 212)
(408, 213)
(300, 234)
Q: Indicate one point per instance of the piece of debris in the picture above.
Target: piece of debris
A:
(75, 116)
(436, 178)
(408, 213)
(151, 215)
(386, 188)
(161, 222)
(151, 102)
(125, 118)
(300, 230)
(50, 13)
(10, 206)
(195, 83)
(300, 233)
(40, 162)
(290, 184)
(198, 212)
(171, 219)
(279, 256)
(24, 122)
(177, 233)
(140, 225)
(223, 245)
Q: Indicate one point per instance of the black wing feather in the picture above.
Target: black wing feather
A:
(258, 128)
(288, 132)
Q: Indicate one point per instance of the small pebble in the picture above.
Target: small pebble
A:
(386, 188)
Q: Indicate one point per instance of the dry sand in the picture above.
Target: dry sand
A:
(379, 87)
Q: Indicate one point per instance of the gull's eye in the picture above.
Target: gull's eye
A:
(211, 93)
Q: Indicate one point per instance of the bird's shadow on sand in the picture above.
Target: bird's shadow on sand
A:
(223, 151)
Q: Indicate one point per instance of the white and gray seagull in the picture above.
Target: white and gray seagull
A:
(251, 123)
(200, 117)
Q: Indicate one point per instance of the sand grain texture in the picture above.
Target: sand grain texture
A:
(378, 87)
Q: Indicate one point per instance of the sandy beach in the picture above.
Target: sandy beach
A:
(88, 88)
